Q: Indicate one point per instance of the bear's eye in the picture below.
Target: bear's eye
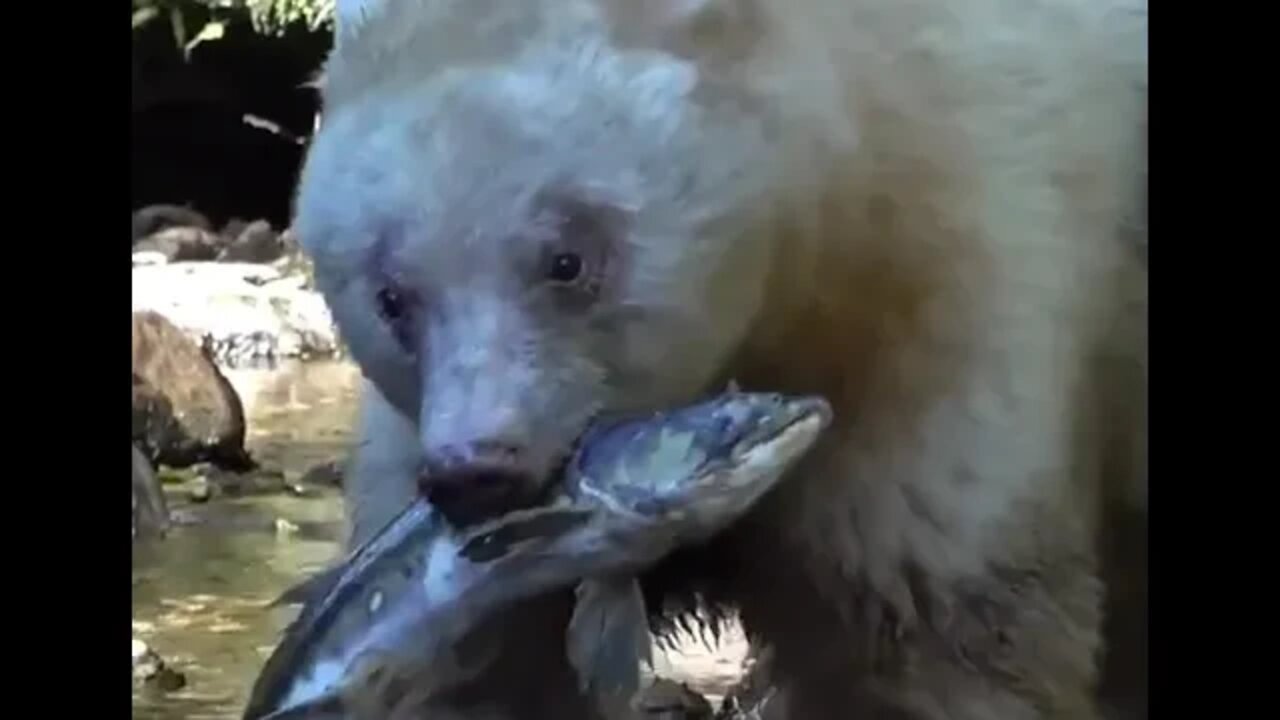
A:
(565, 268)
(391, 305)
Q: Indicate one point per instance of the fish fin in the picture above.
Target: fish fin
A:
(317, 585)
(608, 637)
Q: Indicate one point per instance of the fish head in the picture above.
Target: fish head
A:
(702, 466)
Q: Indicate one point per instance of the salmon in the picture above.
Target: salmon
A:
(633, 491)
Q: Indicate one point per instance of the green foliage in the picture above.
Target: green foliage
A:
(269, 17)
(273, 16)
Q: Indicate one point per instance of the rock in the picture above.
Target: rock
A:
(178, 475)
(150, 511)
(257, 243)
(185, 518)
(220, 482)
(179, 244)
(140, 651)
(184, 410)
(668, 700)
(201, 490)
(233, 228)
(297, 490)
(146, 663)
(289, 239)
(240, 312)
(152, 671)
(294, 261)
(168, 680)
(327, 474)
(149, 257)
(154, 218)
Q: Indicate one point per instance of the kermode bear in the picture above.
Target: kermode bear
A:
(528, 214)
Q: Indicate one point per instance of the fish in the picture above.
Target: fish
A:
(633, 491)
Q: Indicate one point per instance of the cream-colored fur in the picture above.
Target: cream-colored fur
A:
(924, 209)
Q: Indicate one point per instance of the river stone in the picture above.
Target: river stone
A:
(257, 242)
(184, 410)
(146, 664)
(140, 651)
(154, 218)
(242, 313)
(326, 473)
(150, 511)
(179, 244)
(151, 670)
(149, 257)
(201, 490)
(233, 227)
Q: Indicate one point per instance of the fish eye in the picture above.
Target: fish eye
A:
(565, 268)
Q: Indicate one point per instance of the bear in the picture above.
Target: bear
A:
(529, 215)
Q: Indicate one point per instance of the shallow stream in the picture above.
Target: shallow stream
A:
(200, 594)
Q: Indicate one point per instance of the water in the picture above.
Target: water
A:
(199, 595)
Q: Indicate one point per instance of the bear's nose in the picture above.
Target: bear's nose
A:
(476, 482)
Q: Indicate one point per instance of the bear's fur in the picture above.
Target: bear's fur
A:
(929, 211)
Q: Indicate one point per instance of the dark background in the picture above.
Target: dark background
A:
(190, 143)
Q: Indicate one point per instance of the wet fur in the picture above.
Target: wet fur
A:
(930, 212)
